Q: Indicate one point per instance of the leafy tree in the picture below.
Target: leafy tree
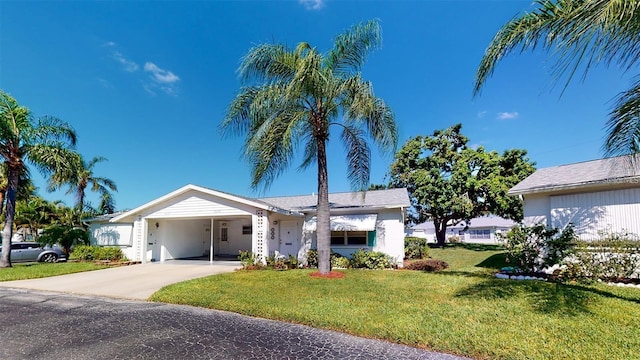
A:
(449, 182)
(65, 235)
(34, 214)
(80, 178)
(45, 143)
(291, 100)
(26, 189)
(582, 33)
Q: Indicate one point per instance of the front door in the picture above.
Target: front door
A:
(289, 240)
(153, 250)
(224, 239)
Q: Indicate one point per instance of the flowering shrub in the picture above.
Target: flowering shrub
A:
(533, 248)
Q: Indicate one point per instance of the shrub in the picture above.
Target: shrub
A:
(312, 258)
(415, 248)
(532, 248)
(371, 260)
(293, 262)
(82, 252)
(248, 259)
(340, 262)
(614, 262)
(427, 265)
(107, 253)
(88, 253)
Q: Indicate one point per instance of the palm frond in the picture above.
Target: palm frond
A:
(623, 126)
(358, 157)
(352, 47)
(579, 32)
(268, 63)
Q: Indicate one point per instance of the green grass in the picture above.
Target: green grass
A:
(40, 270)
(463, 310)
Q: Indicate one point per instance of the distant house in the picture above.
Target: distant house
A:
(194, 221)
(595, 196)
(480, 230)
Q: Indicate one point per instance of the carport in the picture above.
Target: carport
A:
(193, 222)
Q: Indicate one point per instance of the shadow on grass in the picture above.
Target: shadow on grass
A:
(474, 247)
(548, 298)
(497, 261)
(545, 297)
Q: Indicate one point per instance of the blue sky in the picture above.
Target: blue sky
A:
(146, 83)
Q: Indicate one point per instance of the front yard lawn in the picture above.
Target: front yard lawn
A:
(463, 310)
(40, 270)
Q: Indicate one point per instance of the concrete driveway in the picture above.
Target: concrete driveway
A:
(128, 282)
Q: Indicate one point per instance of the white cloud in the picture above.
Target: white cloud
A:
(128, 65)
(162, 79)
(160, 75)
(109, 44)
(312, 4)
(508, 115)
(481, 114)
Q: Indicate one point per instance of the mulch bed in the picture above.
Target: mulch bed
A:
(329, 275)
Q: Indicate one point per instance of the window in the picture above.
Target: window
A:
(224, 234)
(348, 238)
(246, 230)
(480, 234)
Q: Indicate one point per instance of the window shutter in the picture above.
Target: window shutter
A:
(371, 238)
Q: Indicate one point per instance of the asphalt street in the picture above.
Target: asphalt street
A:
(46, 325)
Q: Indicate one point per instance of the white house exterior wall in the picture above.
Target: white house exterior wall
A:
(536, 209)
(114, 234)
(594, 212)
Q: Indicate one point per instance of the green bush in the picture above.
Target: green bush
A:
(371, 260)
(532, 248)
(312, 258)
(611, 263)
(248, 259)
(415, 248)
(88, 253)
(340, 262)
(82, 252)
(107, 253)
(427, 265)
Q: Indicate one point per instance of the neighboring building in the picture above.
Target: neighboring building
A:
(595, 196)
(480, 230)
(194, 221)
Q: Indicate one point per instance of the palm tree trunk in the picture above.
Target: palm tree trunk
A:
(323, 230)
(7, 232)
(2, 198)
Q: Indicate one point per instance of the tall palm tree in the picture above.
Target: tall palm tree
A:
(582, 33)
(82, 177)
(26, 189)
(46, 143)
(292, 98)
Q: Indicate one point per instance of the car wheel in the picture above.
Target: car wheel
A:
(50, 258)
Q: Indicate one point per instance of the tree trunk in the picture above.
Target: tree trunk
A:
(441, 232)
(2, 195)
(323, 229)
(7, 232)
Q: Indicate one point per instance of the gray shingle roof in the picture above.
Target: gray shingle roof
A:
(616, 170)
(372, 199)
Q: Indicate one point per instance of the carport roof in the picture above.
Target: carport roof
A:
(190, 187)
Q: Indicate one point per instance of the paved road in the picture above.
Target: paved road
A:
(45, 325)
(128, 282)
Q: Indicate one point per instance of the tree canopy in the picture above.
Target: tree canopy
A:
(292, 100)
(45, 143)
(580, 33)
(449, 182)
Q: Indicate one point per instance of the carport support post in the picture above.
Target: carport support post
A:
(145, 230)
(211, 245)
